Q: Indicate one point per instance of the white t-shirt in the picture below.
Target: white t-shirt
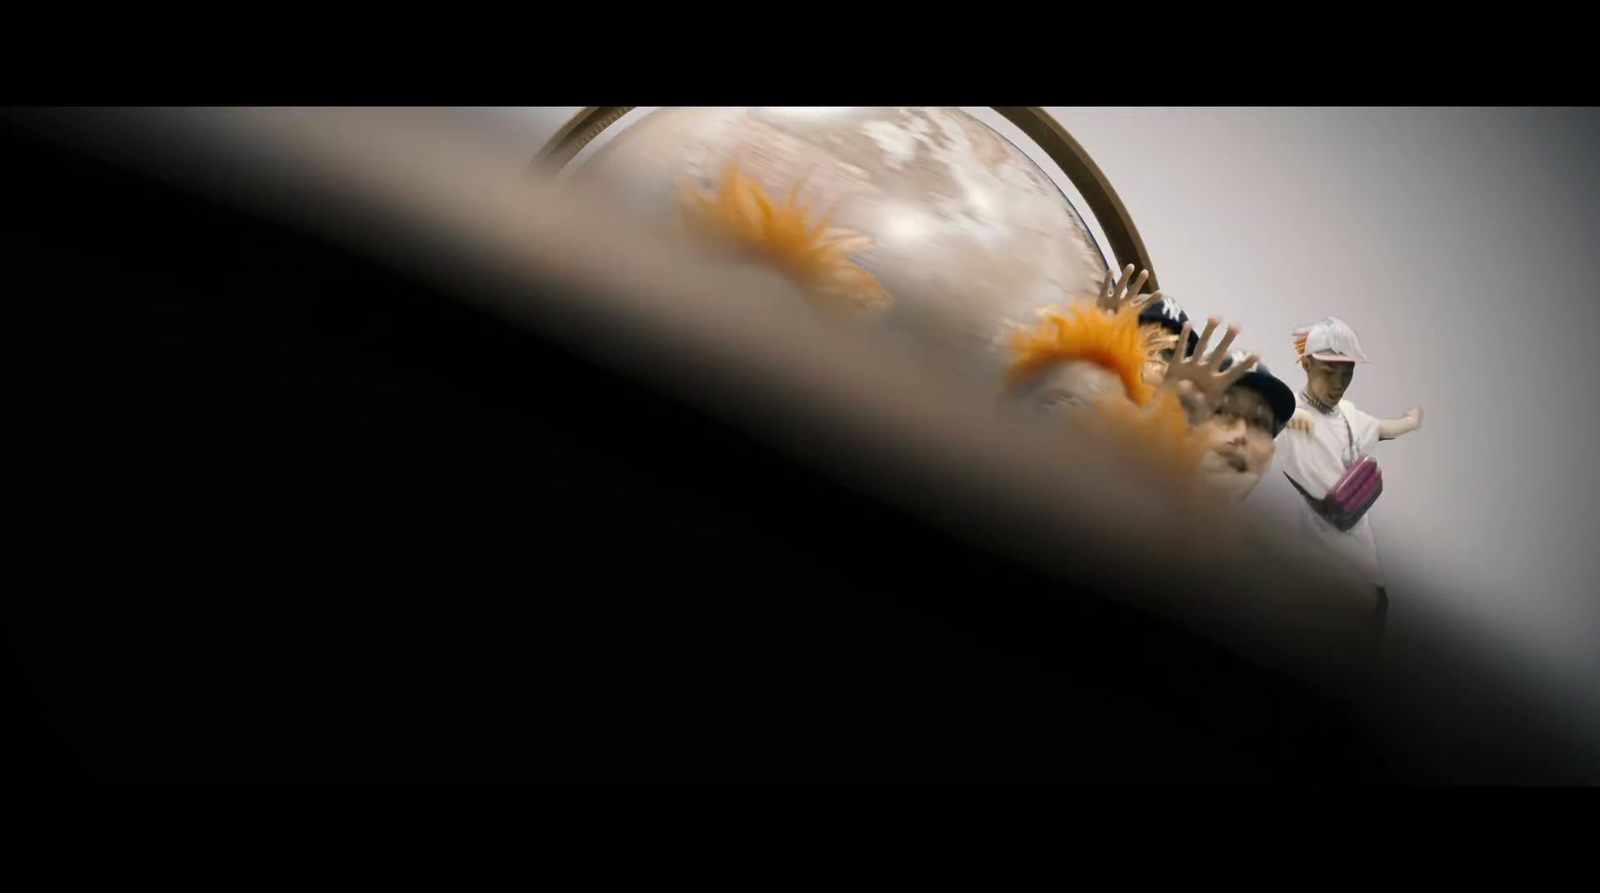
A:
(1316, 460)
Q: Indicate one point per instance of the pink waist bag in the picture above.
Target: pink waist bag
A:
(1357, 489)
(1350, 497)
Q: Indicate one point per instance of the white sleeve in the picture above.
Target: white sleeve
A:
(1286, 455)
(1363, 427)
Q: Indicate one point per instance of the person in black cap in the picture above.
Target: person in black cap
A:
(1162, 320)
(1243, 428)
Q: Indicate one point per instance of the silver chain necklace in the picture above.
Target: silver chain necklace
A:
(1321, 407)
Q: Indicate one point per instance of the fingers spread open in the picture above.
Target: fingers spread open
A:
(1222, 346)
(1205, 337)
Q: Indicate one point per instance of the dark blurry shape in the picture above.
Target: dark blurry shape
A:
(347, 529)
(34, 750)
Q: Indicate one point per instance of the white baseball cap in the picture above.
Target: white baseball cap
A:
(1330, 340)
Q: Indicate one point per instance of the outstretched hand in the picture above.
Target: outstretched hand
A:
(1196, 379)
(1116, 295)
(1415, 415)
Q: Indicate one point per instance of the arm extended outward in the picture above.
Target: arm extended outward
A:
(1389, 429)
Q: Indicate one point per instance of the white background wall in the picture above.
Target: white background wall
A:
(1464, 247)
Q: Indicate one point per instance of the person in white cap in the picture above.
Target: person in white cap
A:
(1327, 436)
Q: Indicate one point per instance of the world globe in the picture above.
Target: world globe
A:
(967, 234)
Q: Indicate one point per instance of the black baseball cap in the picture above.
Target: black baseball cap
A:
(1263, 382)
(1166, 313)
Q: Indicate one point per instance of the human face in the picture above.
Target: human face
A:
(1161, 356)
(1241, 440)
(1327, 381)
(1073, 385)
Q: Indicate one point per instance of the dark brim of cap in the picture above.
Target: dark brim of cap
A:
(1278, 395)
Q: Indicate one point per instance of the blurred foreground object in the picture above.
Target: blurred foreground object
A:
(397, 540)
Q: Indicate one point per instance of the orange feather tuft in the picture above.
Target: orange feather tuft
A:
(1085, 332)
(818, 257)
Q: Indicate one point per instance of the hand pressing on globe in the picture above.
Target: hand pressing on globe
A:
(1114, 296)
(1196, 380)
